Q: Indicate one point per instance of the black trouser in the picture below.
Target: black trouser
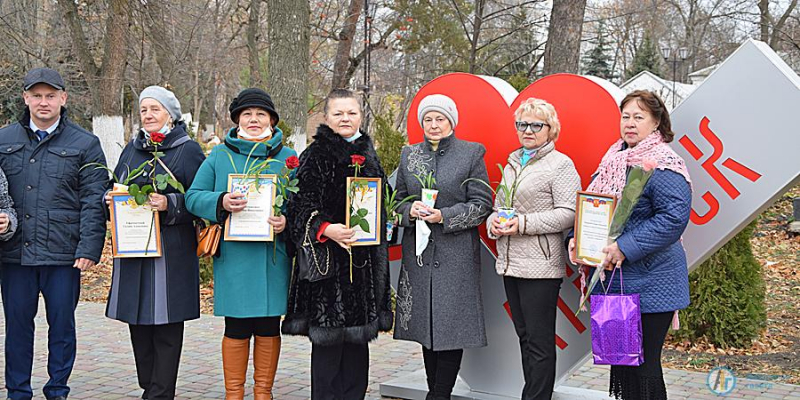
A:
(244, 328)
(645, 382)
(157, 350)
(339, 372)
(533, 304)
(441, 370)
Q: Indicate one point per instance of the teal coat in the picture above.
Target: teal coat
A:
(247, 282)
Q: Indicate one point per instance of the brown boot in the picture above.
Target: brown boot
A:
(265, 360)
(235, 356)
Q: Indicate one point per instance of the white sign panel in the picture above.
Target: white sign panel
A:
(739, 135)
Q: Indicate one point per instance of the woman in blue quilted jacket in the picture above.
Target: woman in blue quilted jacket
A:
(649, 250)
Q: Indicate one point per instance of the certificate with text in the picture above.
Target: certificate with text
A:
(593, 214)
(135, 229)
(251, 224)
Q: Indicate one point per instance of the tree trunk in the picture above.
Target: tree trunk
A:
(342, 62)
(167, 57)
(104, 81)
(288, 60)
(563, 48)
(480, 5)
(252, 43)
(763, 11)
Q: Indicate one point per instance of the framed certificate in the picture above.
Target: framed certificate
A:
(593, 213)
(364, 210)
(135, 229)
(250, 224)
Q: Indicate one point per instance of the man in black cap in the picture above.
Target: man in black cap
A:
(61, 229)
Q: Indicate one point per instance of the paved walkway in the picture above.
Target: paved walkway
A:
(105, 370)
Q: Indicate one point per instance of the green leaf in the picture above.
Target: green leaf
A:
(177, 185)
(293, 189)
(294, 182)
(233, 164)
(364, 225)
(161, 185)
(279, 201)
(362, 212)
(133, 189)
(140, 199)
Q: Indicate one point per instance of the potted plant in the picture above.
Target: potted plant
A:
(506, 210)
(428, 183)
(391, 205)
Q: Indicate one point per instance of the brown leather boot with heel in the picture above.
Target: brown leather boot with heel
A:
(235, 356)
(265, 360)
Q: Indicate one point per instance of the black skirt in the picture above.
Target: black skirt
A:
(645, 382)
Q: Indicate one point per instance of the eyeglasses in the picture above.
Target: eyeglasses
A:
(536, 127)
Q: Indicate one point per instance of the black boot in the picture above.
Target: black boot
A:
(430, 357)
(446, 376)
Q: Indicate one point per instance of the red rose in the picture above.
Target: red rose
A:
(157, 137)
(357, 159)
(292, 162)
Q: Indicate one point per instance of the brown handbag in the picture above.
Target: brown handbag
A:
(208, 240)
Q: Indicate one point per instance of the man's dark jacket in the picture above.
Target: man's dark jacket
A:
(59, 205)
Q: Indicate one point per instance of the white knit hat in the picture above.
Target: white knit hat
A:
(165, 97)
(439, 103)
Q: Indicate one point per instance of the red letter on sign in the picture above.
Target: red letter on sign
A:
(715, 173)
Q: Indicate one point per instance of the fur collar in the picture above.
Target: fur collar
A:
(330, 145)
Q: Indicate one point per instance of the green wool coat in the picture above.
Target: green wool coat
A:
(247, 282)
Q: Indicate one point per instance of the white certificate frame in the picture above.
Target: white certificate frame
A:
(124, 213)
(250, 229)
(603, 211)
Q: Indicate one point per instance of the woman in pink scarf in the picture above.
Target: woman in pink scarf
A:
(649, 250)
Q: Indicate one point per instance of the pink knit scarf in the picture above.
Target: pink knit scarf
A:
(611, 174)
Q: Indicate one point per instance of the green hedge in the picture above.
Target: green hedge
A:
(389, 141)
(727, 296)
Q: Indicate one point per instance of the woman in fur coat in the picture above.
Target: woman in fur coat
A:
(343, 312)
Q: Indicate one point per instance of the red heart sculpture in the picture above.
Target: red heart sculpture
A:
(588, 113)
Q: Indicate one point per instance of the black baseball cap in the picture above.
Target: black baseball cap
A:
(43, 75)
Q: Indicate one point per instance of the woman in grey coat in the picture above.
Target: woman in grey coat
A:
(439, 295)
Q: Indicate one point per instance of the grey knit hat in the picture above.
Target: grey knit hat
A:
(165, 97)
(439, 103)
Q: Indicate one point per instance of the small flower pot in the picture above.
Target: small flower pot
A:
(429, 197)
(389, 231)
(505, 214)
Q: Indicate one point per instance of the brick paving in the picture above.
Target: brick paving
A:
(104, 368)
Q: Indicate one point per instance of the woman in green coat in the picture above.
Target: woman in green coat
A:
(251, 279)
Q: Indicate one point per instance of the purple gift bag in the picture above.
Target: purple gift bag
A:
(616, 327)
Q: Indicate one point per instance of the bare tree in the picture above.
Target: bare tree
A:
(563, 50)
(343, 60)
(771, 30)
(105, 80)
(252, 43)
(287, 62)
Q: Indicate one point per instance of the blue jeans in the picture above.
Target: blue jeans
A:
(60, 287)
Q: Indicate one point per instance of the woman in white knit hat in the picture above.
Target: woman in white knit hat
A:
(439, 301)
(155, 296)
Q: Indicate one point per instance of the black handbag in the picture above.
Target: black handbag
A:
(313, 264)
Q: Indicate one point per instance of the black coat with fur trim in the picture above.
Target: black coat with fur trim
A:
(334, 310)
